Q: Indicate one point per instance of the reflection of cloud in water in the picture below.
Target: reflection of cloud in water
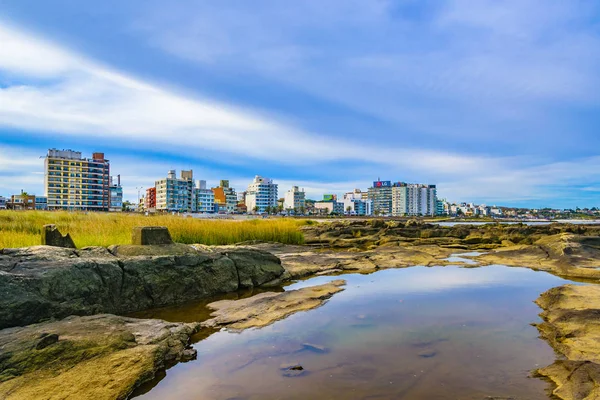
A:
(433, 279)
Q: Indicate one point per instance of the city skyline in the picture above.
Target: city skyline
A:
(494, 103)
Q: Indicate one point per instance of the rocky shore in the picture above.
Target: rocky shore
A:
(93, 357)
(572, 327)
(45, 283)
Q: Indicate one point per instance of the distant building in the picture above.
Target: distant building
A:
(21, 201)
(175, 194)
(329, 205)
(116, 195)
(225, 197)
(380, 195)
(355, 203)
(150, 199)
(261, 193)
(204, 198)
(74, 183)
(2, 203)
(41, 203)
(414, 199)
(294, 200)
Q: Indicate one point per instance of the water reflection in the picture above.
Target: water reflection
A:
(415, 333)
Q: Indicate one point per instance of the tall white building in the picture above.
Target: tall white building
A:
(294, 200)
(414, 199)
(261, 193)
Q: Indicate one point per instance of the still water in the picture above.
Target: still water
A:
(415, 333)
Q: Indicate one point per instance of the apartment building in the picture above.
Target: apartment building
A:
(225, 197)
(204, 198)
(116, 194)
(380, 195)
(294, 200)
(261, 193)
(2, 203)
(175, 194)
(150, 199)
(356, 203)
(75, 183)
(414, 199)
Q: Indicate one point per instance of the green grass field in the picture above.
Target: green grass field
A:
(23, 228)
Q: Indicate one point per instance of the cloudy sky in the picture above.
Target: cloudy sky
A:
(495, 101)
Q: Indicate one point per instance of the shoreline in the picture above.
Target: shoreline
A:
(364, 247)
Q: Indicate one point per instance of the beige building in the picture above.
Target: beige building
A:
(74, 183)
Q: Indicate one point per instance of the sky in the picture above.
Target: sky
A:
(495, 101)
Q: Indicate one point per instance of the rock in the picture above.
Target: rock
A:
(292, 370)
(572, 327)
(114, 353)
(266, 308)
(51, 236)
(42, 282)
(189, 354)
(46, 340)
(151, 235)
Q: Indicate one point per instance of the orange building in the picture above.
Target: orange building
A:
(150, 198)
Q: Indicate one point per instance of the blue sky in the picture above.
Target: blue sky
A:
(494, 101)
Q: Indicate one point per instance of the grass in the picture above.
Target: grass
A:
(23, 228)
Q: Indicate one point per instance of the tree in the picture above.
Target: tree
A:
(255, 209)
(349, 209)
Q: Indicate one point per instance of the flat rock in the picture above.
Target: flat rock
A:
(97, 357)
(266, 308)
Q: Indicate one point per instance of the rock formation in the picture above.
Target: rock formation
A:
(43, 282)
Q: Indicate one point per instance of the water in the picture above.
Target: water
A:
(415, 333)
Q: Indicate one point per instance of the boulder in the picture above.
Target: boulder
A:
(151, 235)
(51, 236)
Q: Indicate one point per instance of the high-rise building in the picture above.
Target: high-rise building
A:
(116, 194)
(381, 196)
(75, 183)
(225, 197)
(294, 200)
(204, 198)
(414, 199)
(261, 193)
(173, 194)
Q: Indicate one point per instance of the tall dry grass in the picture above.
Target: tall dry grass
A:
(23, 228)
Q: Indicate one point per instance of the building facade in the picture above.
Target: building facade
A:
(411, 199)
(2, 203)
(175, 194)
(204, 198)
(294, 200)
(41, 203)
(21, 201)
(261, 193)
(150, 199)
(355, 203)
(74, 183)
(380, 195)
(225, 197)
